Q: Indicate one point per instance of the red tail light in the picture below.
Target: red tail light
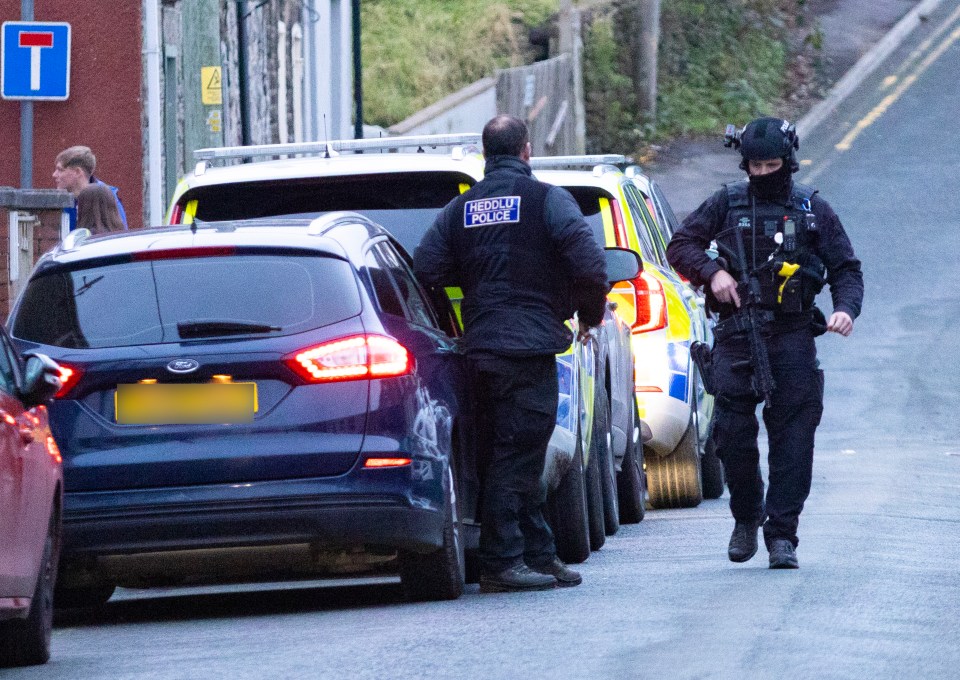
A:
(651, 304)
(619, 227)
(69, 377)
(176, 215)
(182, 253)
(354, 358)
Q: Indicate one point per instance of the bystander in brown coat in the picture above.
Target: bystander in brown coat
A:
(97, 210)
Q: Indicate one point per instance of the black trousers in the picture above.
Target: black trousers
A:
(517, 410)
(791, 421)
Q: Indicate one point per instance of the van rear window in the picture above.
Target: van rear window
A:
(142, 303)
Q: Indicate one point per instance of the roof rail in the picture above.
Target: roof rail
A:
(335, 146)
(73, 240)
(545, 162)
(633, 171)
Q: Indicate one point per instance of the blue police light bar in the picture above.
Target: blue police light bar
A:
(337, 146)
(548, 162)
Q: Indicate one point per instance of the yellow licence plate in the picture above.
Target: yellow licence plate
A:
(178, 404)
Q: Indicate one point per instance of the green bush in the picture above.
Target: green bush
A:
(416, 52)
(719, 61)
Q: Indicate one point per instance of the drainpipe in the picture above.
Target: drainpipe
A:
(151, 50)
(357, 74)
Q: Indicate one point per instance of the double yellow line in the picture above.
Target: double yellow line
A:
(903, 83)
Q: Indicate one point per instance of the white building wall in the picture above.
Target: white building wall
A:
(328, 70)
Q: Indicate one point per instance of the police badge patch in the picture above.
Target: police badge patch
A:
(486, 211)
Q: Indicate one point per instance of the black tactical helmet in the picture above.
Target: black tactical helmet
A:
(766, 138)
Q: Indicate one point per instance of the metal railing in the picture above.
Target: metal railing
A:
(336, 146)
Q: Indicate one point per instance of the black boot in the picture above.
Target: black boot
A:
(743, 540)
(566, 577)
(516, 578)
(783, 555)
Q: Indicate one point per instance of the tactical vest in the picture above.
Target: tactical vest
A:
(515, 294)
(787, 267)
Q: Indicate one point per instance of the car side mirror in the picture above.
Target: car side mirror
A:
(41, 380)
(623, 264)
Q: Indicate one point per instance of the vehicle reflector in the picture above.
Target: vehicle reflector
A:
(355, 358)
(69, 377)
(386, 462)
(53, 450)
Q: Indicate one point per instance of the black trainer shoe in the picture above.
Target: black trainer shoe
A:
(517, 578)
(566, 577)
(783, 555)
(743, 540)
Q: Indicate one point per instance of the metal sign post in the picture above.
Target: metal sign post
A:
(34, 66)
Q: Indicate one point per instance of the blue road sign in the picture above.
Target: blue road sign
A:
(35, 60)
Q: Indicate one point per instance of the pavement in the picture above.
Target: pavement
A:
(690, 169)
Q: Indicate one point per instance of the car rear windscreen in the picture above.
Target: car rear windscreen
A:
(271, 198)
(149, 302)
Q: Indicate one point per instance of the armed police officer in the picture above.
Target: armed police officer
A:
(526, 261)
(779, 243)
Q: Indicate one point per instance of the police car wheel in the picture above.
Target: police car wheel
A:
(630, 483)
(608, 472)
(711, 471)
(567, 509)
(674, 481)
(598, 534)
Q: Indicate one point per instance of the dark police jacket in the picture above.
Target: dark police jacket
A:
(524, 257)
(828, 241)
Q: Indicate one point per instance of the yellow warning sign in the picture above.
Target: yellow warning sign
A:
(211, 86)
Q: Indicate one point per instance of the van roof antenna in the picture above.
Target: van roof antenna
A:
(326, 153)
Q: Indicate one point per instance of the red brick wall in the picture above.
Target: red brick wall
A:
(45, 236)
(105, 108)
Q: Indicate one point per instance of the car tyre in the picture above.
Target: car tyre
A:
(711, 471)
(567, 507)
(439, 575)
(26, 642)
(594, 484)
(630, 480)
(674, 480)
(608, 470)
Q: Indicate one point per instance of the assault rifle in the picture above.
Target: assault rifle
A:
(752, 319)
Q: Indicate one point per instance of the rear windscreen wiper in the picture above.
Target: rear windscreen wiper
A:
(208, 329)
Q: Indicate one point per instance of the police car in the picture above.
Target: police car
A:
(402, 183)
(666, 316)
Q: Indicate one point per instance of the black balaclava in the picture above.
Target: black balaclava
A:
(774, 185)
(765, 139)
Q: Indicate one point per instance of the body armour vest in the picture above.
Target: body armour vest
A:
(776, 242)
(515, 292)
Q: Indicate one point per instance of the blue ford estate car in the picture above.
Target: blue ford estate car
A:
(260, 396)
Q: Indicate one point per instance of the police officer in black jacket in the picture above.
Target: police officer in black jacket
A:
(789, 238)
(526, 261)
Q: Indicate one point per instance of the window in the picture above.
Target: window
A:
(406, 294)
(149, 302)
(417, 307)
(651, 245)
(384, 289)
(8, 376)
